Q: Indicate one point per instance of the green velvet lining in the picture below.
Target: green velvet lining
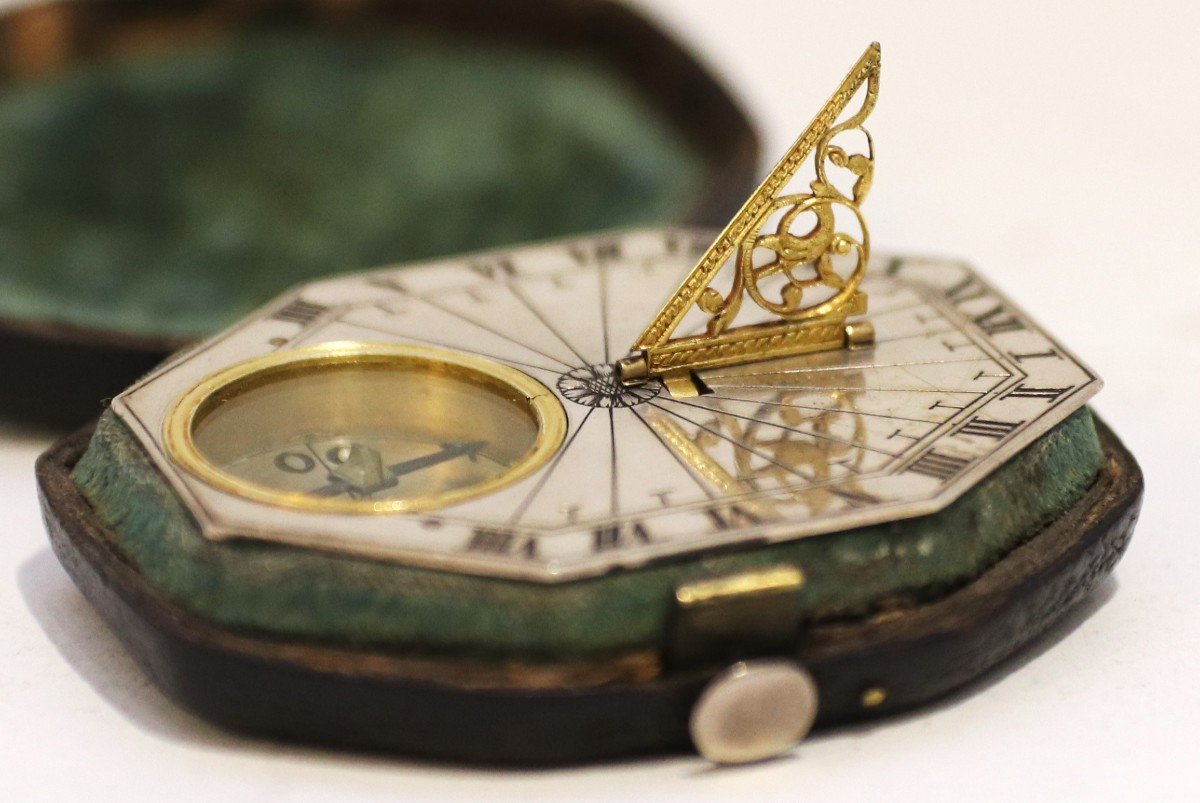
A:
(308, 594)
(171, 194)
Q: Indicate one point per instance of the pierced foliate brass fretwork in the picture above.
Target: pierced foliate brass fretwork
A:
(807, 283)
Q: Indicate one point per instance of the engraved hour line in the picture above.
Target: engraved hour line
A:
(915, 335)
(822, 409)
(612, 435)
(537, 314)
(397, 287)
(863, 367)
(495, 332)
(739, 445)
(602, 275)
(814, 435)
(860, 390)
(917, 378)
(393, 333)
(541, 483)
(873, 314)
(686, 469)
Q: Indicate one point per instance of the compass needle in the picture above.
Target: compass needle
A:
(361, 468)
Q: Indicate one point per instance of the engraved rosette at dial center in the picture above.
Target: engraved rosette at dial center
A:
(599, 386)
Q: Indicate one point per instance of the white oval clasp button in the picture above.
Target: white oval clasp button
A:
(754, 710)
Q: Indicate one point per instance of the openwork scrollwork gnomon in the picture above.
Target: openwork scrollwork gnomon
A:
(809, 285)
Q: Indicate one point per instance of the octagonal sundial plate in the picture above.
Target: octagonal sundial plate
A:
(958, 381)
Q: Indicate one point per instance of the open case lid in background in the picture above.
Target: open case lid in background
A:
(168, 167)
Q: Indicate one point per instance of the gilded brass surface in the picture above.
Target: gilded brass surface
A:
(781, 578)
(806, 287)
(270, 428)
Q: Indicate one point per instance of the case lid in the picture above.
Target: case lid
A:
(169, 167)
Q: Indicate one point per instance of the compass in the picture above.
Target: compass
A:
(545, 498)
(351, 428)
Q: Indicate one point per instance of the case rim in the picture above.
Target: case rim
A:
(435, 709)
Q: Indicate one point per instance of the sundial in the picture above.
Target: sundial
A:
(552, 421)
(338, 399)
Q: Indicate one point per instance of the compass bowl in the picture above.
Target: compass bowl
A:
(168, 167)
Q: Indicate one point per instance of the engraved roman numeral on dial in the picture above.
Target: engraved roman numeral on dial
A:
(598, 252)
(301, 312)
(729, 516)
(497, 541)
(616, 536)
(1051, 395)
(986, 428)
(997, 320)
(939, 465)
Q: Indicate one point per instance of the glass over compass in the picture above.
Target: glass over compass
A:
(539, 413)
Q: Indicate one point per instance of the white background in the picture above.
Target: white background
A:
(1053, 144)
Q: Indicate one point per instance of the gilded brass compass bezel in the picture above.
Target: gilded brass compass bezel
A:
(188, 411)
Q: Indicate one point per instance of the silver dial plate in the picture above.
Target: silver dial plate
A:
(959, 381)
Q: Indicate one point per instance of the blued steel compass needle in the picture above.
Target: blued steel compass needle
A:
(362, 473)
(449, 451)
